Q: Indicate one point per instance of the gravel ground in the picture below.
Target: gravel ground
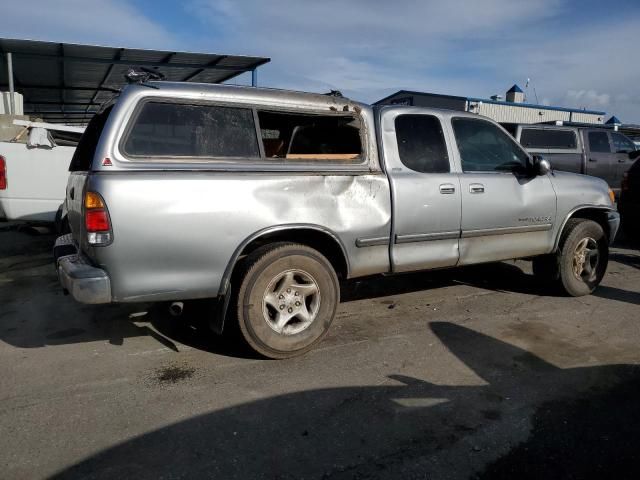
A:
(472, 373)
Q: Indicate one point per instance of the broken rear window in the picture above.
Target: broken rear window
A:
(299, 137)
(178, 130)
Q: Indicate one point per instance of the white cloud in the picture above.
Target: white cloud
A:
(368, 48)
(588, 97)
(102, 22)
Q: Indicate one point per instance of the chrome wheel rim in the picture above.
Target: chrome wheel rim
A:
(585, 259)
(291, 302)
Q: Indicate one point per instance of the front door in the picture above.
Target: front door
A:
(425, 191)
(506, 211)
(600, 158)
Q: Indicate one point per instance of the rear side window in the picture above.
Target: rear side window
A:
(299, 137)
(86, 149)
(175, 130)
(421, 144)
(599, 142)
(541, 138)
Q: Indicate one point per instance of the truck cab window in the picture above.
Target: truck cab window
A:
(622, 144)
(599, 142)
(543, 138)
(421, 144)
(484, 147)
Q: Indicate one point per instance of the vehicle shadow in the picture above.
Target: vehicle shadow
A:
(408, 427)
(499, 276)
(34, 312)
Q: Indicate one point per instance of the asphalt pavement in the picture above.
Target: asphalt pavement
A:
(473, 373)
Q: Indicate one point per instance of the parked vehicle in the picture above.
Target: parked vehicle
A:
(34, 168)
(266, 198)
(591, 151)
(629, 204)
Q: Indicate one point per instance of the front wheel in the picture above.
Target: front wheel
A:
(583, 256)
(287, 299)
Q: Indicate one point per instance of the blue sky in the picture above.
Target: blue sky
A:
(577, 53)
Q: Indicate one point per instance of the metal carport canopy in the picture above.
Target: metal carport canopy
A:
(67, 82)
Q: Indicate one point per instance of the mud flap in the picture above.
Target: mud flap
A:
(220, 312)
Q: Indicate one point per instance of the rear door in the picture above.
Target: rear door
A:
(600, 157)
(622, 146)
(506, 211)
(425, 190)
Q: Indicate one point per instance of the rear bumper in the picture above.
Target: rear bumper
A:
(614, 224)
(86, 283)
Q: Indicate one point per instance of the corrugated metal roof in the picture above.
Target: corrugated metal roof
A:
(66, 82)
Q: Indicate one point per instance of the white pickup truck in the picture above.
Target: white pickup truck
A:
(34, 167)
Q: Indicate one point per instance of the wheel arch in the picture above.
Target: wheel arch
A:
(314, 236)
(588, 212)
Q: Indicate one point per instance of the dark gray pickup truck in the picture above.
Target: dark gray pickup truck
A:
(591, 151)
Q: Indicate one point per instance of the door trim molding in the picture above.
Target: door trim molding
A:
(426, 237)
(371, 242)
(506, 230)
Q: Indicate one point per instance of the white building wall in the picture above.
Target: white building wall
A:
(5, 103)
(518, 114)
(583, 117)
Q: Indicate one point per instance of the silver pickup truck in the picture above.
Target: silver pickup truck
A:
(264, 199)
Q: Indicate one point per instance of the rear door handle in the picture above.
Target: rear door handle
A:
(622, 160)
(476, 188)
(593, 160)
(447, 188)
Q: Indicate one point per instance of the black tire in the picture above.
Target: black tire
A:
(581, 232)
(264, 302)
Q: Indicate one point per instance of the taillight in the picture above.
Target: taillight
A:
(3, 173)
(96, 220)
(625, 182)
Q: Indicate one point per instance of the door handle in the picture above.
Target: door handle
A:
(447, 188)
(622, 160)
(476, 188)
(593, 160)
(72, 193)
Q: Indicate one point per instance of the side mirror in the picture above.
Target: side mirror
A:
(634, 154)
(541, 166)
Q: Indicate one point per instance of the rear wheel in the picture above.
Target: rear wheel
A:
(287, 299)
(583, 256)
